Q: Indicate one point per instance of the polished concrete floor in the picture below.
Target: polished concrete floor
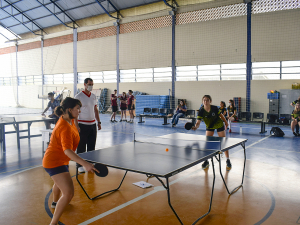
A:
(270, 194)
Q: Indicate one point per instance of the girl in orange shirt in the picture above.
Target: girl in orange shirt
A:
(61, 150)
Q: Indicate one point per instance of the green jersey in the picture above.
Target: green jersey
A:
(295, 114)
(212, 118)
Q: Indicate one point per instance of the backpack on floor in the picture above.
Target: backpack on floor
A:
(277, 132)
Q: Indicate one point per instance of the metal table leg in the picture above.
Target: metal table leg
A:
(241, 185)
(167, 187)
(18, 134)
(3, 137)
(102, 193)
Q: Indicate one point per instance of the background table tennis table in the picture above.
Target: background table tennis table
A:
(151, 158)
(16, 121)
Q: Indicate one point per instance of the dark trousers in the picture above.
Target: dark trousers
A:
(297, 128)
(88, 135)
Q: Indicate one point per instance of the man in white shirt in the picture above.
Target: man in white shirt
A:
(88, 120)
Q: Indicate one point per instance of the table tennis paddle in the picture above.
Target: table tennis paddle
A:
(188, 125)
(102, 169)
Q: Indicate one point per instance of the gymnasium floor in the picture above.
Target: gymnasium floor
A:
(270, 194)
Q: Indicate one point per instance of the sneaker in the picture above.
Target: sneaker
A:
(53, 205)
(228, 165)
(115, 121)
(111, 121)
(205, 165)
(120, 121)
(124, 120)
(294, 133)
(173, 125)
(81, 169)
(297, 133)
(229, 131)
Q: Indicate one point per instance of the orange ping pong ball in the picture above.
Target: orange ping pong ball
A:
(167, 149)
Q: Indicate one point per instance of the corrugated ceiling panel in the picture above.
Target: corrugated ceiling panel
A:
(48, 21)
(9, 22)
(26, 4)
(19, 29)
(85, 12)
(37, 13)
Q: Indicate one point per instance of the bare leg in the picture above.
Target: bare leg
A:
(210, 133)
(293, 124)
(223, 134)
(56, 193)
(65, 184)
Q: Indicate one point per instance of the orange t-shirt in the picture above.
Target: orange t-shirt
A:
(64, 136)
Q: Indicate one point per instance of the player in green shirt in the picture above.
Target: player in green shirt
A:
(231, 113)
(295, 118)
(214, 120)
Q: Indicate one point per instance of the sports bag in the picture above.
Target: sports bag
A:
(277, 132)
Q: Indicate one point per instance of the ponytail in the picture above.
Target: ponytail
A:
(58, 111)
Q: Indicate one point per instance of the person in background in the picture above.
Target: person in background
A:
(130, 105)
(214, 120)
(223, 110)
(51, 104)
(114, 106)
(180, 110)
(231, 113)
(61, 150)
(294, 104)
(86, 122)
(296, 118)
(123, 106)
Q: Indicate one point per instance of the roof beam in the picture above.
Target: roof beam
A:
(53, 14)
(57, 13)
(13, 16)
(54, 3)
(19, 22)
(6, 28)
(118, 11)
(99, 3)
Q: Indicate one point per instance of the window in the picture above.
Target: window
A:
(163, 74)
(81, 77)
(144, 75)
(68, 78)
(97, 77)
(109, 76)
(186, 73)
(127, 76)
(266, 71)
(290, 70)
(233, 71)
(209, 72)
(48, 79)
(58, 78)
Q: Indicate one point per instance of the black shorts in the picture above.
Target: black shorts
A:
(123, 108)
(129, 107)
(114, 108)
(218, 129)
(57, 170)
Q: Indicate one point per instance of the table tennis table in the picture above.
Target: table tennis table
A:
(16, 121)
(149, 157)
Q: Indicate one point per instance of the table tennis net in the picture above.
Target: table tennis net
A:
(186, 144)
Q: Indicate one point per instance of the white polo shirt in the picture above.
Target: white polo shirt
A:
(87, 114)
